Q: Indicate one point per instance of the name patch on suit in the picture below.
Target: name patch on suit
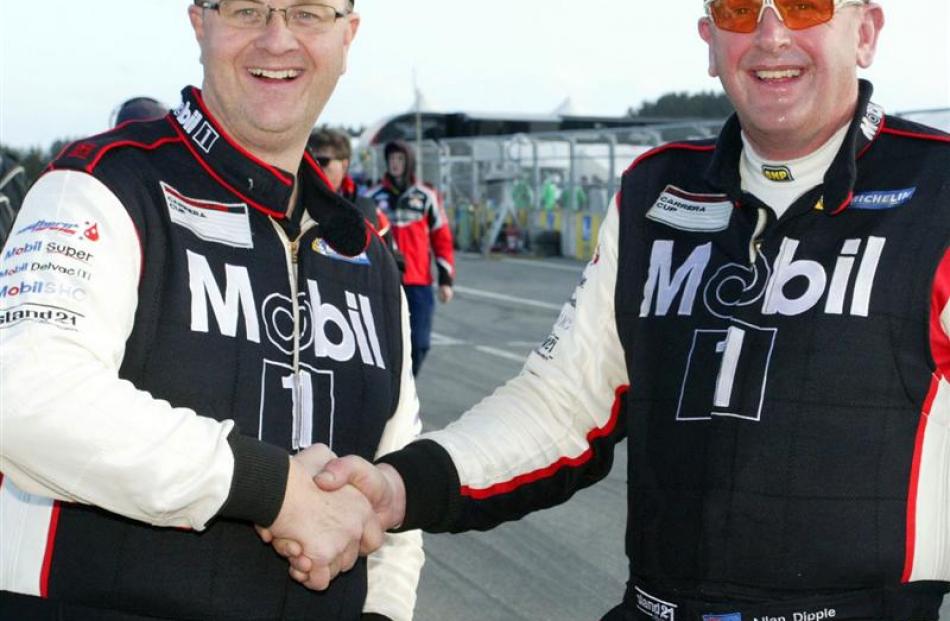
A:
(687, 211)
(223, 223)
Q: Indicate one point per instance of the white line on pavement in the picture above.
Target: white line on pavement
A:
(548, 266)
(480, 293)
(501, 353)
(441, 339)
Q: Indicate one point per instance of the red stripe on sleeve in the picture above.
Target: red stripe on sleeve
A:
(564, 462)
(939, 296)
(910, 548)
(48, 556)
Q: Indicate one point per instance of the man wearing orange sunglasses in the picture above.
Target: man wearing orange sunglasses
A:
(766, 322)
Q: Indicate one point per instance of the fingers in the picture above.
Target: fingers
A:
(265, 535)
(314, 458)
(319, 577)
(288, 548)
(373, 538)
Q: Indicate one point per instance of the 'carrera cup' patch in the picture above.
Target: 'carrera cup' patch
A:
(691, 212)
(222, 223)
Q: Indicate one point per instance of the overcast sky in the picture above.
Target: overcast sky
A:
(65, 64)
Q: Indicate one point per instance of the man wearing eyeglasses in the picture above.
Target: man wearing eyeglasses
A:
(766, 323)
(184, 304)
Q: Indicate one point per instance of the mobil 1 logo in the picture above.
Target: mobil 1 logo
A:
(741, 354)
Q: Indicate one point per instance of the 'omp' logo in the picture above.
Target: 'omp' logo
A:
(778, 174)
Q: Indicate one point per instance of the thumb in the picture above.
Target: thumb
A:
(356, 471)
(336, 473)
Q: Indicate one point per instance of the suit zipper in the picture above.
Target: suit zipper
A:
(291, 254)
(755, 243)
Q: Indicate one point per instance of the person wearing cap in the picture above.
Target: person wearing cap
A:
(766, 323)
(191, 321)
(421, 232)
(138, 109)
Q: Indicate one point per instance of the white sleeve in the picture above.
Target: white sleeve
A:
(566, 397)
(72, 430)
(394, 569)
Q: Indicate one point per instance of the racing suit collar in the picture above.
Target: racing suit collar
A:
(866, 125)
(264, 187)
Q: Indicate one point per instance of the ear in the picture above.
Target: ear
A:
(706, 33)
(352, 26)
(872, 21)
(196, 15)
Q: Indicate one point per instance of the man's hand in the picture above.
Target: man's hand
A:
(312, 460)
(446, 293)
(322, 531)
(382, 487)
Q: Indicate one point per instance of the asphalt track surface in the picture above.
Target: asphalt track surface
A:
(562, 564)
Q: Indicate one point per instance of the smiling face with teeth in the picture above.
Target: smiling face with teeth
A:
(267, 87)
(793, 89)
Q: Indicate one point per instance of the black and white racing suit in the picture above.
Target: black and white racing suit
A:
(171, 331)
(782, 384)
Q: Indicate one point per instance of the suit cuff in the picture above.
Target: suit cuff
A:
(432, 486)
(259, 480)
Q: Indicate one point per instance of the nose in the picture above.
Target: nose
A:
(771, 33)
(277, 38)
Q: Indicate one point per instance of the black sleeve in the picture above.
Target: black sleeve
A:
(259, 481)
(432, 486)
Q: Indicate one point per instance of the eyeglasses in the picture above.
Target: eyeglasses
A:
(308, 18)
(744, 15)
(324, 160)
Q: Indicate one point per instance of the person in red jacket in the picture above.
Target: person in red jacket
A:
(420, 229)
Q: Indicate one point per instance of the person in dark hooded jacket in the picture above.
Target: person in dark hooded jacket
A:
(12, 190)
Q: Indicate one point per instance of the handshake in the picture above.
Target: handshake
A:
(334, 510)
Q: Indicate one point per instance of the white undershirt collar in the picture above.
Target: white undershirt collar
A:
(779, 184)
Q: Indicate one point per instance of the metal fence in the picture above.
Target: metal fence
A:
(543, 192)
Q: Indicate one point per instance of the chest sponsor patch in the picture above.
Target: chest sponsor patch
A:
(883, 199)
(321, 247)
(223, 223)
(691, 212)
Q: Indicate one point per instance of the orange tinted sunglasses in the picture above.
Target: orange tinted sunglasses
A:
(744, 15)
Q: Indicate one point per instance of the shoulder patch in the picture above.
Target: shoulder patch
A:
(687, 211)
(86, 153)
